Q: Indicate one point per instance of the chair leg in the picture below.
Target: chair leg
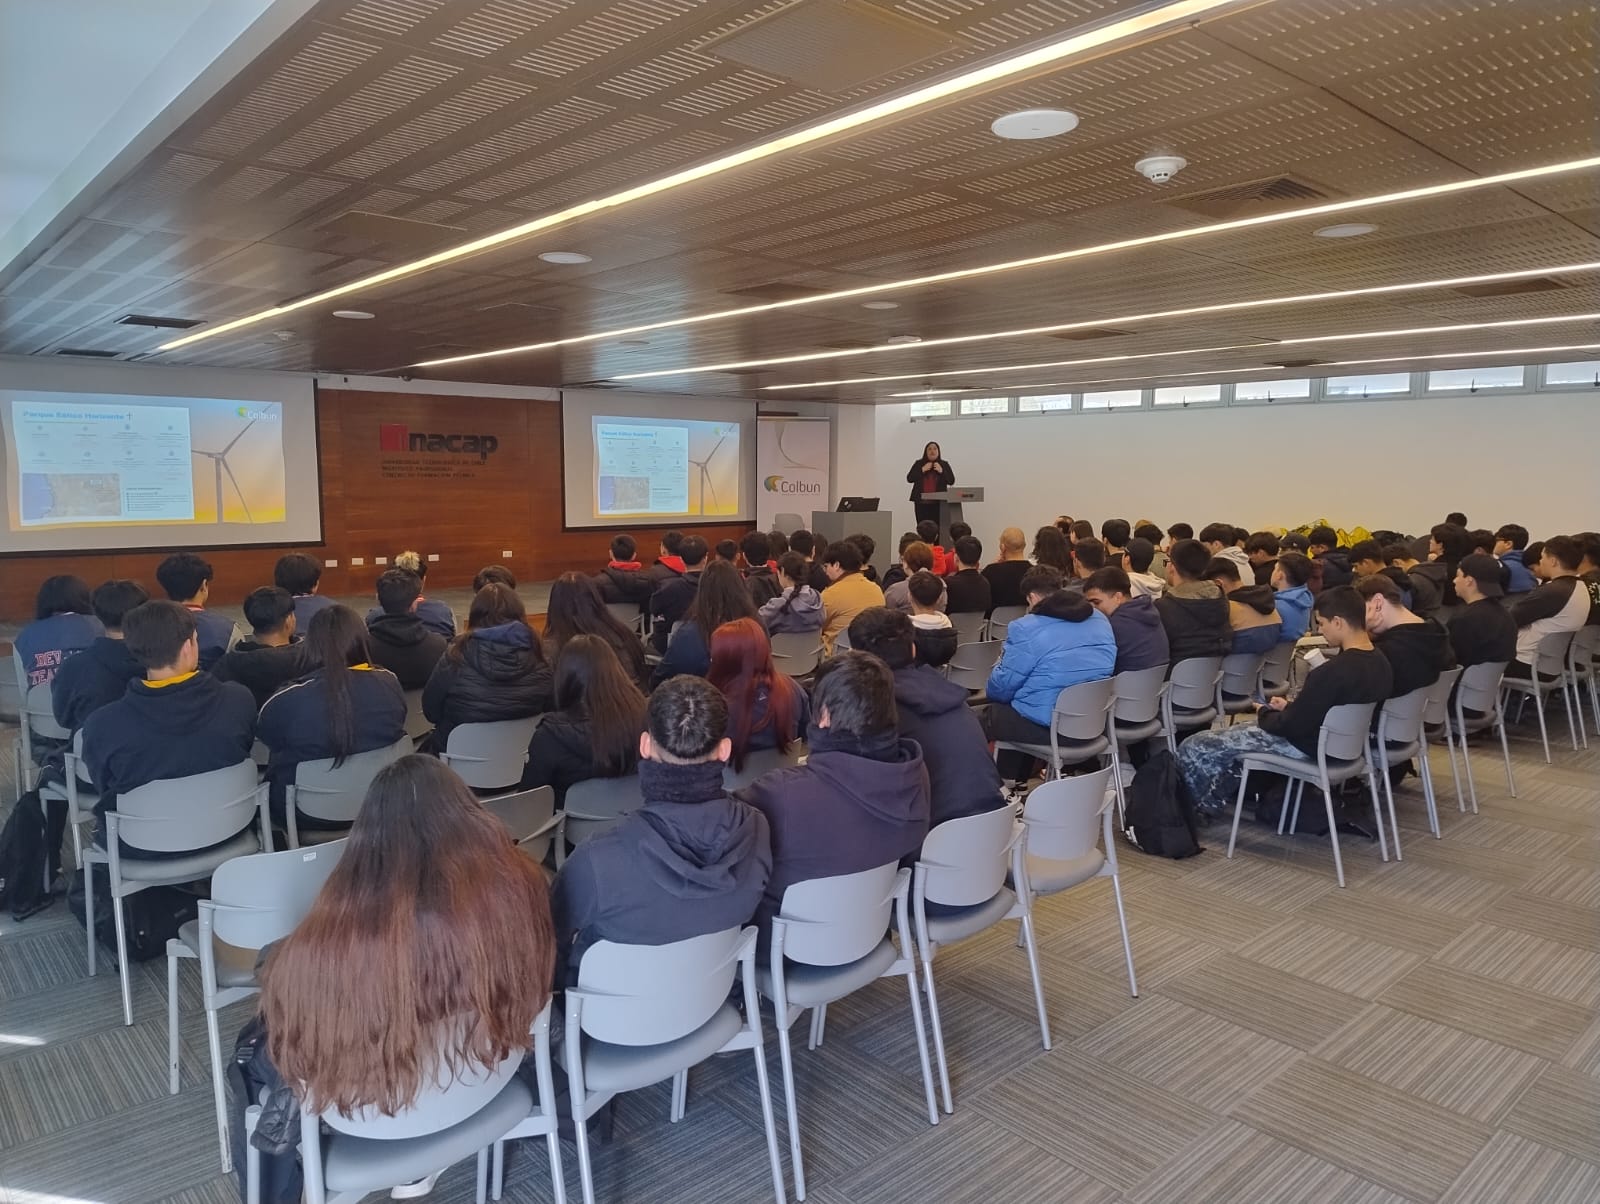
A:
(1505, 752)
(252, 1156)
(922, 1037)
(558, 1177)
(88, 914)
(1455, 772)
(1297, 791)
(483, 1175)
(122, 960)
(580, 1138)
(1572, 727)
(219, 1088)
(786, 1059)
(77, 846)
(172, 1031)
(1428, 796)
(680, 1095)
(1394, 824)
(938, 1035)
(1238, 808)
(1466, 761)
(498, 1182)
(1333, 835)
(1038, 983)
(1127, 944)
(1544, 732)
(1116, 780)
(771, 1124)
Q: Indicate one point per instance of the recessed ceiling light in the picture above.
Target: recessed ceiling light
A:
(880, 305)
(1346, 230)
(1034, 123)
(566, 257)
(359, 315)
(899, 339)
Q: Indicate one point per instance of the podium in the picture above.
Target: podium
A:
(950, 508)
(830, 525)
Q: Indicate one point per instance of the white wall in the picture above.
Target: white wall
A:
(1403, 464)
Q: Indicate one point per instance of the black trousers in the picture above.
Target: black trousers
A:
(1005, 723)
(928, 511)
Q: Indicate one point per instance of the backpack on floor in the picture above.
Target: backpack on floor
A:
(151, 917)
(1160, 816)
(24, 866)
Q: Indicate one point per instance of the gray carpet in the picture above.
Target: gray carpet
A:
(1432, 1033)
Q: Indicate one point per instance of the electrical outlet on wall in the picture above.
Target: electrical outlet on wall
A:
(433, 558)
(380, 560)
(356, 562)
(506, 555)
(330, 564)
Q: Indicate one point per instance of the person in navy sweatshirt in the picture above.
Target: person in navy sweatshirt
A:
(433, 615)
(1135, 623)
(63, 624)
(300, 575)
(186, 578)
(101, 673)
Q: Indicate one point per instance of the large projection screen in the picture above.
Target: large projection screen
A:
(632, 460)
(110, 458)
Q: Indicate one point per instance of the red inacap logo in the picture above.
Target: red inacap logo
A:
(393, 436)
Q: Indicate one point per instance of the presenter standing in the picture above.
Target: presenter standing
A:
(930, 474)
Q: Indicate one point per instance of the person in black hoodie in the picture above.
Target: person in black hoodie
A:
(968, 589)
(1323, 547)
(101, 672)
(932, 712)
(760, 574)
(397, 637)
(174, 722)
(675, 594)
(1193, 610)
(861, 798)
(1417, 649)
(1424, 578)
(274, 655)
(690, 861)
(1141, 637)
(594, 730)
(1209, 761)
(1482, 631)
(493, 670)
(624, 579)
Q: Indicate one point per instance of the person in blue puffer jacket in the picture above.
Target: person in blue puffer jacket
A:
(1510, 545)
(1293, 595)
(1060, 642)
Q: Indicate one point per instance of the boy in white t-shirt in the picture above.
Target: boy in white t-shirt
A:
(935, 634)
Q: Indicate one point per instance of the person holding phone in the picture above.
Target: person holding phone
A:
(930, 474)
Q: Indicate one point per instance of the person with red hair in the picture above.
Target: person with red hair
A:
(766, 708)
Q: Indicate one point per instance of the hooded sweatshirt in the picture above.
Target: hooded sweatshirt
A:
(1147, 585)
(264, 669)
(1253, 615)
(406, 646)
(1519, 578)
(1556, 606)
(624, 581)
(855, 804)
(1335, 568)
(962, 778)
(690, 861)
(1195, 614)
(1483, 632)
(1241, 561)
(435, 616)
(798, 609)
(44, 644)
(1417, 653)
(97, 676)
(762, 583)
(295, 724)
(1294, 611)
(1141, 639)
(501, 675)
(1428, 581)
(1061, 642)
(936, 639)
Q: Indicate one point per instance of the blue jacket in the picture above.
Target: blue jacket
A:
(687, 652)
(1294, 608)
(44, 644)
(1064, 641)
(1520, 577)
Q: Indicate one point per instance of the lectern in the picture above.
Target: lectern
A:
(829, 525)
(950, 508)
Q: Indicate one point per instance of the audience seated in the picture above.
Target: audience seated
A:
(173, 722)
(897, 571)
(1322, 545)
(915, 557)
(867, 546)
(101, 673)
(1081, 529)
(1533, 557)
(936, 634)
(301, 575)
(1114, 532)
(798, 607)
(1261, 550)
(345, 706)
(594, 730)
(1050, 550)
(760, 570)
(777, 544)
(727, 550)
(63, 624)
(932, 712)
(274, 655)
(1153, 535)
(1088, 558)
(805, 543)
(1176, 532)
(624, 579)
(1219, 541)
(493, 670)
(1417, 649)
(428, 879)
(1138, 560)
(1061, 641)
(1135, 625)
(1291, 576)
(958, 532)
(576, 608)
(690, 861)
(674, 592)
(861, 798)
(1481, 540)
(186, 579)
(1510, 542)
(766, 709)
(1005, 574)
(928, 533)
(1589, 571)
(1193, 610)
(399, 639)
(1209, 761)
(1482, 631)
(721, 598)
(1562, 603)
(494, 574)
(968, 590)
(1425, 579)
(669, 563)
(435, 616)
(848, 593)
(1252, 609)
(1447, 544)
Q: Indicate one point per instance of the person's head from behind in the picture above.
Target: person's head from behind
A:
(398, 591)
(865, 544)
(1144, 529)
(1513, 537)
(693, 551)
(885, 633)
(722, 597)
(1187, 561)
(792, 569)
(1115, 532)
(728, 550)
(112, 600)
(1107, 589)
(969, 552)
(577, 607)
(1481, 539)
(1533, 559)
(1398, 554)
(185, 577)
(494, 574)
(1064, 525)
(1223, 572)
(494, 605)
(1216, 536)
(915, 557)
(1039, 582)
(853, 698)
(1088, 557)
(742, 668)
(62, 595)
(412, 562)
(1321, 540)
(1049, 548)
(1386, 605)
(1292, 570)
(959, 531)
(270, 613)
(1261, 547)
(925, 591)
(1179, 531)
(337, 640)
(672, 543)
(756, 549)
(1456, 518)
(590, 682)
(928, 531)
(623, 549)
(297, 573)
(803, 542)
(1139, 554)
(1559, 557)
(1448, 542)
(841, 559)
(1366, 558)
(777, 544)
(427, 877)
(160, 636)
(1293, 541)
(1479, 576)
(1341, 615)
(1012, 543)
(1589, 551)
(687, 723)
(1082, 529)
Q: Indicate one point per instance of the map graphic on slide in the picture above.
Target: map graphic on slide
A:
(85, 462)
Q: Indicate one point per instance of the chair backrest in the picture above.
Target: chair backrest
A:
(841, 640)
(1551, 658)
(1585, 649)
(260, 898)
(763, 760)
(972, 663)
(1192, 684)
(1241, 673)
(1062, 815)
(649, 994)
(334, 792)
(1136, 694)
(490, 756)
(10, 699)
(523, 814)
(1480, 687)
(1275, 667)
(416, 722)
(39, 712)
(835, 921)
(1080, 710)
(174, 815)
(595, 804)
(1437, 707)
(796, 653)
(1401, 719)
(1344, 731)
(970, 626)
(438, 1106)
(965, 861)
(1002, 617)
(626, 613)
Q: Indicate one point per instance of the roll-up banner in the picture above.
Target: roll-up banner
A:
(791, 471)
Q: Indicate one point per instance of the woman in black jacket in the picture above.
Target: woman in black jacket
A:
(494, 670)
(721, 598)
(594, 730)
(930, 474)
(577, 608)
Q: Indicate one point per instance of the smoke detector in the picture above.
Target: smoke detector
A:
(1158, 169)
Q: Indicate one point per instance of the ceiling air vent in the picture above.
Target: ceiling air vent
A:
(1092, 332)
(1510, 288)
(88, 353)
(1251, 197)
(775, 290)
(158, 323)
(1294, 363)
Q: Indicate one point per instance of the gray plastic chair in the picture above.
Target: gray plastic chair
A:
(629, 615)
(1065, 819)
(763, 760)
(972, 663)
(1549, 676)
(37, 719)
(208, 816)
(1077, 729)
(1190, 701)
(595, 805)
(11, 713)
(80, 802)
(1583, 661)
(1002, 617)
(644, 1013)
(1341, 754)
(1397, 741)
(255, 900)
(797, 653)
(1241, 679)
(490, 756)
(1436, 721)
(828, 942)
(1479, 692)
(971, 626)
(964, 866)
(841, 640)
(332, 793)
(531, 818)
(1275, 669)
(543, 1120)
(417, 724)
(1135, 716)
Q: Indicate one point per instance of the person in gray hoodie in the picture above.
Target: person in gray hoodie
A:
(1141, 638)
(798, 607)
(691, 861)
(1219, 540)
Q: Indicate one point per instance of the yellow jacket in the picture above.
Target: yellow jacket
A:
(843, 601)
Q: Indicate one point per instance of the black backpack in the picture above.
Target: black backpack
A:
(1160, 816)
(24, 866)
(150, 918)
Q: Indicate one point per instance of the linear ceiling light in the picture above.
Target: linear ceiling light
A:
(1432, 190)
(1181, 11)
(1146, 355)
(1124, 319)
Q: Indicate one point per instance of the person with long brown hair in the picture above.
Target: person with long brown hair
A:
(594, 730)
(576, 607)
(721, 598)
(493, 670)
(428, 949)
(766, 709)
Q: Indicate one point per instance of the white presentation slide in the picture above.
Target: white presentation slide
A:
(642, 469)
(85, 463)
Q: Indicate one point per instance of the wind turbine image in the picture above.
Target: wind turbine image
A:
(219, 461)
(705, 473)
